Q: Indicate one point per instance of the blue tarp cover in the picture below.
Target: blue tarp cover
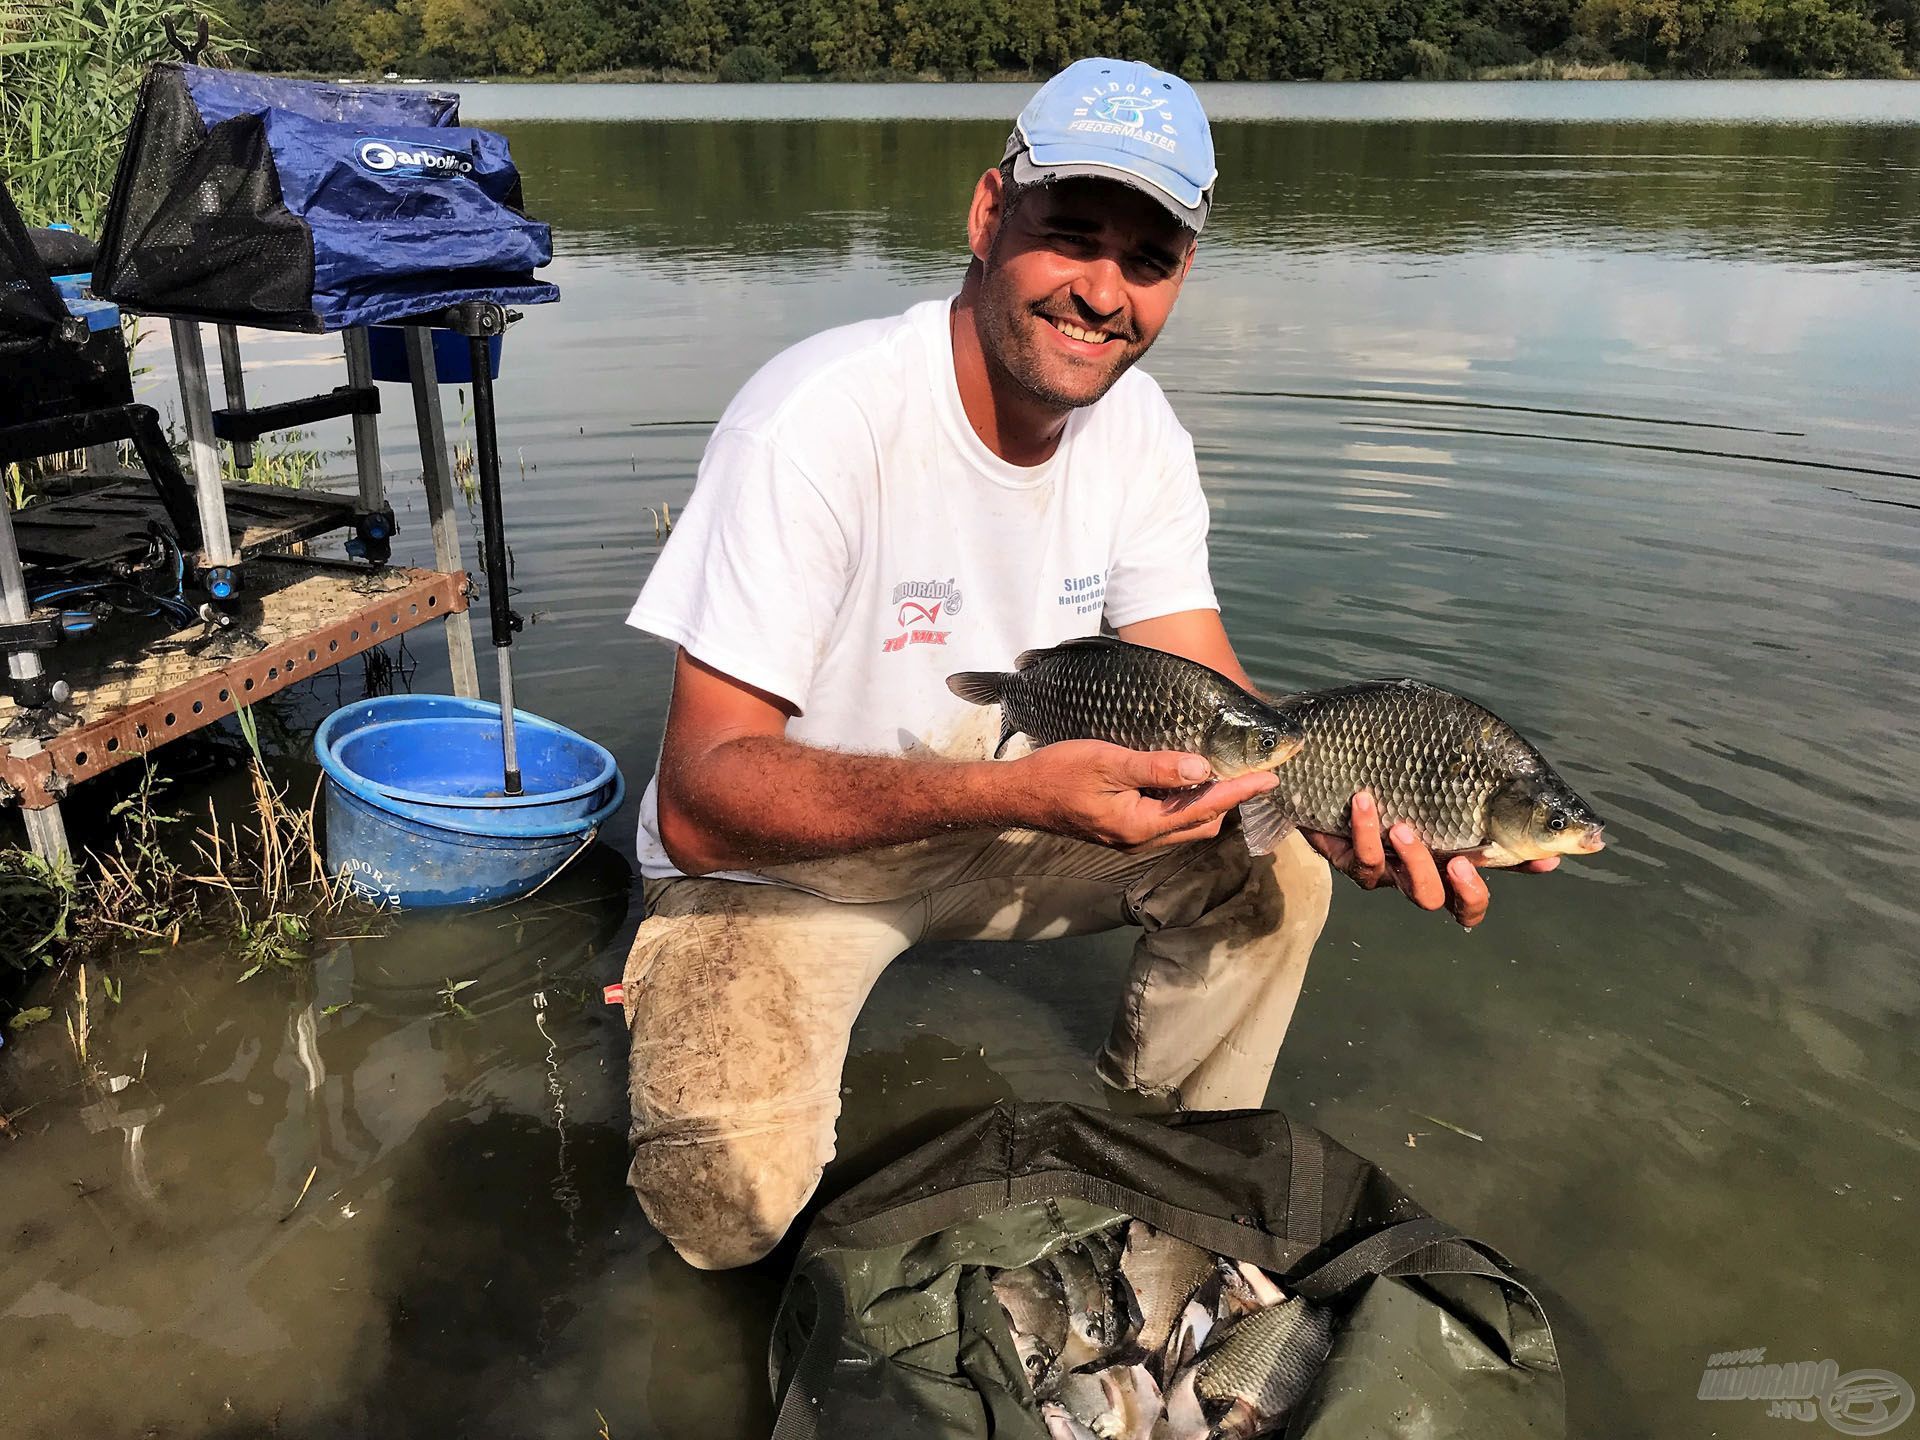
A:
(406, 218)
(235, 182)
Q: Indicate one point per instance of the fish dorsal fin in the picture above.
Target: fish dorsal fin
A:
(978, 687)
(1083, 642)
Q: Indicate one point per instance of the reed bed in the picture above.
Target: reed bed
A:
(69, 73)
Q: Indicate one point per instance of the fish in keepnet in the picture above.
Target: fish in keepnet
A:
(1121, 1402)
(1102, 1317)
(1036, 1310)
(1163, 1272)
(1257, 1369)
(1099, 688)
(1462, 777)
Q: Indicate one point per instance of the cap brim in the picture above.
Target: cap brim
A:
(1182, 199)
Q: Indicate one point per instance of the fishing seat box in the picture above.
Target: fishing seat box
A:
(300, 205)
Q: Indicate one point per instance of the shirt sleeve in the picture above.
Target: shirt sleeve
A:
(754, 571)
(1159, 564)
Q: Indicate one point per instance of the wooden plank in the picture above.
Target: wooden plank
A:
(311, 617)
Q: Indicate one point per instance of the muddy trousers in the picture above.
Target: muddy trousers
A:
(741, 997)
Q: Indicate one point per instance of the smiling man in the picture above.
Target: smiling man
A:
(880, 506)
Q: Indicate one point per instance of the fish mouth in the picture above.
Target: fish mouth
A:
(1289, 746)
(1593, 841)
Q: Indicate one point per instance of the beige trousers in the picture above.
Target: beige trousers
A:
(741, 997)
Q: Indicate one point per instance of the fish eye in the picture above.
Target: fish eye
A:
(1556, 820)
(1268, 739)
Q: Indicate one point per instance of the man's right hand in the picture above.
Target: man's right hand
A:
(1091, 790)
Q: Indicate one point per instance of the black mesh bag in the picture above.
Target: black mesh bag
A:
(30, 308)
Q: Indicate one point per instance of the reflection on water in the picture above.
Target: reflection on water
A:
(1609, 425)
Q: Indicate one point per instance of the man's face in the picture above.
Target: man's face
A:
(1077, 283)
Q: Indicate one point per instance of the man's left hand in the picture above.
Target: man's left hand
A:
(1411, 867)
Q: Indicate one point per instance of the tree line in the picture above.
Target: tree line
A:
(967, 39)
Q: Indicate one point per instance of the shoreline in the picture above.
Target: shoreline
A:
(1530, 72)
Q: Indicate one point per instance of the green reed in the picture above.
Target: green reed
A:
(69, 73)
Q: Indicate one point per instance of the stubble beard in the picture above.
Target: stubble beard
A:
(1008, 342)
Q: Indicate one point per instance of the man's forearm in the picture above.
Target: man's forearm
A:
(766, 800)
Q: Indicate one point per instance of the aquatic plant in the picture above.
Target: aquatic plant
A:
(37, 899)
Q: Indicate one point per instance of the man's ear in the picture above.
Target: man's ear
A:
(986, 212)
(1186, 266)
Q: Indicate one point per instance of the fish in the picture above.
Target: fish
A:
(1260, 1283)
(1036, 1309)
(1163, 1272)
(1121, 1402)
(1183, 1418)
(1099, 688)
(1237, 1296)
(1101, 1320)
(1062, 1424)
(1258, 1368)
(1465, 780)
(1188, 1338)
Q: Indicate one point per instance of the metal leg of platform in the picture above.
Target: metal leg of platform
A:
(437, 475)
(190, 360)
(236, 385)
(45, 831)
(366, 428)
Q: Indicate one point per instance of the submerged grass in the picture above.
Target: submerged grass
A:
(261, 881)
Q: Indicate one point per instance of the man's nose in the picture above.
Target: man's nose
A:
(1101, 287)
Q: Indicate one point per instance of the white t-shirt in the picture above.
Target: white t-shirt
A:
(851, 542)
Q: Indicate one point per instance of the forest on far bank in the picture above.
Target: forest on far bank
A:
(964, 39)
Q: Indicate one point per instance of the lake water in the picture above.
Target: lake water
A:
(1596, 402)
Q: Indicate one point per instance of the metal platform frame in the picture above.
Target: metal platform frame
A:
(36, 771)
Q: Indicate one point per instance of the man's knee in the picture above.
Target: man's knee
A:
(723, 1202)
(1242, 897)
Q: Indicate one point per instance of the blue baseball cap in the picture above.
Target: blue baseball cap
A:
(1119, 120)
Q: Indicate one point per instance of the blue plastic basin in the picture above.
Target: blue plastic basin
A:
(415, 812)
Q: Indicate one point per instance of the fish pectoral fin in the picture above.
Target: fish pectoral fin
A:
(1491, 856)
(1007, 731)
(1264, 822)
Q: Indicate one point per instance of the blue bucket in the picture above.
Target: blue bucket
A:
(415, 815)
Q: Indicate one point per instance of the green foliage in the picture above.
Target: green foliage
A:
(36, 902)
(749, 65)
(69, 72)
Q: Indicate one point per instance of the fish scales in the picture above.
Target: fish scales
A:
(1431, 758)
(1097, 688)
(1261, 1366)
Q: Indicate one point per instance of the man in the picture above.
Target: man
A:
(883, 505)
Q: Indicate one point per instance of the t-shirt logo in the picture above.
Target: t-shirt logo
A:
(917, 608)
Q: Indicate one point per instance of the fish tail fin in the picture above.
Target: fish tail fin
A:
(1264, 822)
(979, 687)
